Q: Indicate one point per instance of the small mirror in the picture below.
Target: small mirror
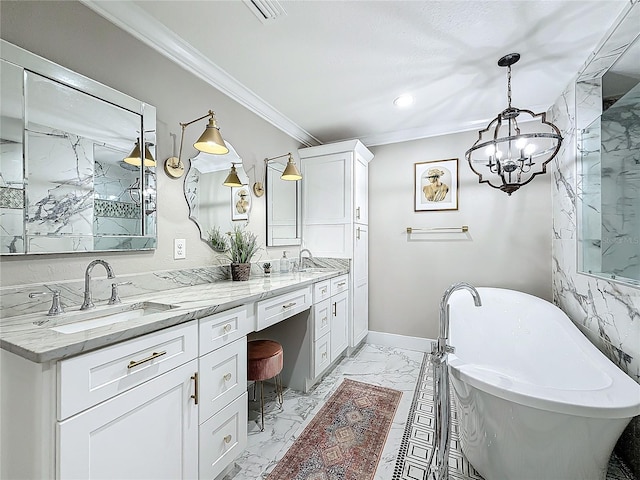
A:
(211, 204)
(283, 206)
(608, 102)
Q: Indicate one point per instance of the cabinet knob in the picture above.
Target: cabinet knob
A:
(324, 354)
(227, 377)
(227, 438)
(227, 328)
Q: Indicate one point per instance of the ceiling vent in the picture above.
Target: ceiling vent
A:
(266, 10)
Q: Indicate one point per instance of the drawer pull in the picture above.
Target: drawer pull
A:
(227, 328)
(342, 284)
(194, 377)
(358, 233)
(227, 438)
(324, 321)
(154, 355)
(335, 309)
(324, 354)
(324, 290)
(358, 213)
(289, 305)
(227, 377)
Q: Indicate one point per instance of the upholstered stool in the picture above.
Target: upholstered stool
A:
(265, 361)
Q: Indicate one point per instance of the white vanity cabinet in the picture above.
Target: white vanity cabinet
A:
(335, 216)
(222, 385)
(129, 410)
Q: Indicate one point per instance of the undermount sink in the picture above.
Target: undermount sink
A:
(101, 317)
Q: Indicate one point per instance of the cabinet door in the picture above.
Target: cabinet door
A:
(148, 432)
(361, 191)
(327, 204)
(360, 294)
(339, 324)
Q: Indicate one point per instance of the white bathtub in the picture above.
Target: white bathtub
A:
(535, 399)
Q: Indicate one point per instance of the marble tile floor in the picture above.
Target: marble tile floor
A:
(385, 366)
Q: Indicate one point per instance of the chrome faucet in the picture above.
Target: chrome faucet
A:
(88, 303)
(441, 400)
(300, 257)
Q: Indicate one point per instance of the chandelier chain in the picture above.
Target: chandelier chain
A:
(509, 85)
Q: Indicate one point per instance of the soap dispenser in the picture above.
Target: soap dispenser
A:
(284, 263)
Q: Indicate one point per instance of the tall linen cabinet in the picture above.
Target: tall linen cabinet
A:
(335, 218)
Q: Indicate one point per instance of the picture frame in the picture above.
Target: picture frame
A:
(436, 185)
(240, 203)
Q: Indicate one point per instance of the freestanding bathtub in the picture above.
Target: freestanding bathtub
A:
(535, 399)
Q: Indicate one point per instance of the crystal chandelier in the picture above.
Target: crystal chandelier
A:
(516, 145)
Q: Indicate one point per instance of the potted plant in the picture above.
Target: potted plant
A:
(243, 246)
(217, 240)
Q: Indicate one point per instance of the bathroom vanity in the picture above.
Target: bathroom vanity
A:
(166, 390)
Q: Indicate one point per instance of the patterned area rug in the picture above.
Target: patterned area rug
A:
(345, 438)
(417, 441)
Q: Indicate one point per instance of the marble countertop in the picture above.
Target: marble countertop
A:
(41, 344)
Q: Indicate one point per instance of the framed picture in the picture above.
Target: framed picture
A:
(240, 203)
(436, 185)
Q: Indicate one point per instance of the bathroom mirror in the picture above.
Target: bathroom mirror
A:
(211, 204)
(608, 139)
(64, 185)
(283, 206)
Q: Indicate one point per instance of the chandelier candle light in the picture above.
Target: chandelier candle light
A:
(509, 154)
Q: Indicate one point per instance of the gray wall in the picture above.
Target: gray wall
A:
(73, 36)
(508, 243)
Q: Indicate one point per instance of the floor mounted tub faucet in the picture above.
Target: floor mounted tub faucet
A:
(439, 352)
(88, 302)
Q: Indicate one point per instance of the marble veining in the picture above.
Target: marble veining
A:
(19, 335)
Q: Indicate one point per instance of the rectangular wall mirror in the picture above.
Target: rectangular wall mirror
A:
(283, 206)
(64, 184)
(608, 121)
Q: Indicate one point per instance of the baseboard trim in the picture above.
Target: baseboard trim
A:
(399, 341)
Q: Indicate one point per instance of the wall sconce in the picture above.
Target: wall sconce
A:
(134, 157)
(290, 173)
(209, 142)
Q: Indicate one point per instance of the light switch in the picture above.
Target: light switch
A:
(179, 248)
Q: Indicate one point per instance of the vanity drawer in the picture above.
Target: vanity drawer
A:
(274, 310)
(223, 328)
(222, 438)
(339, 284)
(321, 319)
(321, 355)
(321, 291)
(222, 377)
(93, 377)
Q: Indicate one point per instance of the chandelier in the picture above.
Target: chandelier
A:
(516, 145)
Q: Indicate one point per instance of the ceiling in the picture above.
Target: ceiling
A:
(329, 70)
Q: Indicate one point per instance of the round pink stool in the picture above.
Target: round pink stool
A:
(264, 361)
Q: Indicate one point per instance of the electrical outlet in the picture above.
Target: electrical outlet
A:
(179, 248)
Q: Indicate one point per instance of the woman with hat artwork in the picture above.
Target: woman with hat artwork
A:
(435, 190)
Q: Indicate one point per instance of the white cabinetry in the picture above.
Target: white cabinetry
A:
(126, 412)
(150, 431)
(335, 215)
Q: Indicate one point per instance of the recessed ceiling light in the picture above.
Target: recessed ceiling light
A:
(403, 101)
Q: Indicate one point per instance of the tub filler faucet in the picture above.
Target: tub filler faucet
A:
(88, 302)
(441, 400)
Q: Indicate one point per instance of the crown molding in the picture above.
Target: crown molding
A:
(138, 23)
